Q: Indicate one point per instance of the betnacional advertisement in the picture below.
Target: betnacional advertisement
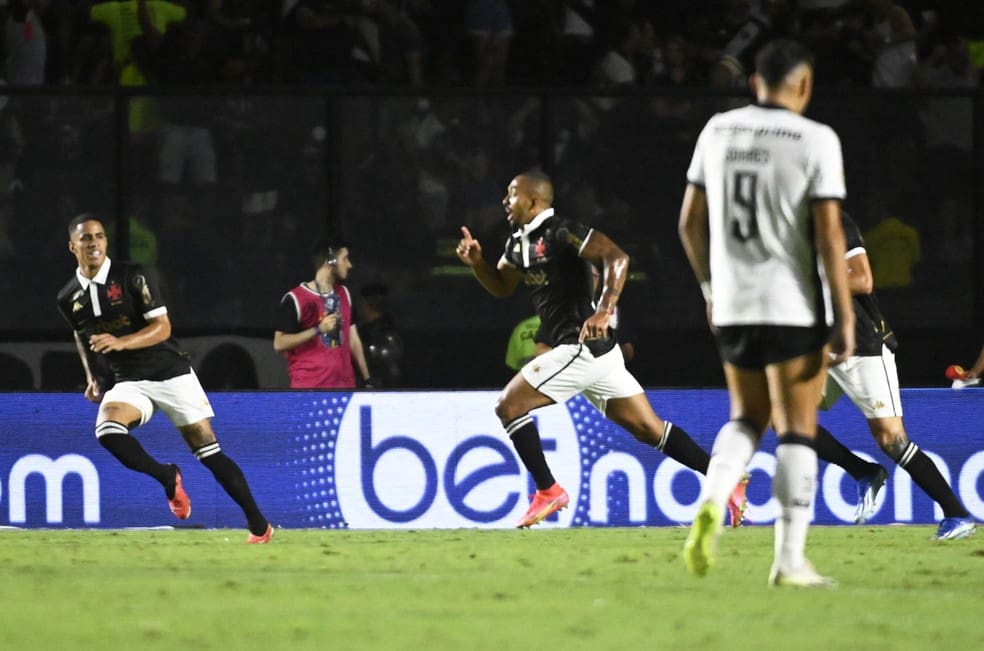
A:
(380, 460)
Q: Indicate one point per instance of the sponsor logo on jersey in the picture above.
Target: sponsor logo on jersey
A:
(535, 278)
(122, 321)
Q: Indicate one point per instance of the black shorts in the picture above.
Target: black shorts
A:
(757, 346)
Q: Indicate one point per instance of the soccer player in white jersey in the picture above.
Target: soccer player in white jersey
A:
(761, 226)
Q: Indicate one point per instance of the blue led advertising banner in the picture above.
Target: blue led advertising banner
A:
(373, 460)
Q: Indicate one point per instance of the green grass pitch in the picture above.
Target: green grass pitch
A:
(468, 589)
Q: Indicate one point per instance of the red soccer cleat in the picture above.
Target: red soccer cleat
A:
(180, 504)
(253, 539)
(544, 503)
(738, 502)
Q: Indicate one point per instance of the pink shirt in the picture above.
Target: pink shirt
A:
(324, 362)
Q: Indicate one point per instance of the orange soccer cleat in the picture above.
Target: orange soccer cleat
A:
(738, 502)
(253, 539)
(544, 503)
(180, 503)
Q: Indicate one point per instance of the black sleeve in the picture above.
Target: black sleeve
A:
(572, 233)
(145, 291)
(287, 316)
(852, 235)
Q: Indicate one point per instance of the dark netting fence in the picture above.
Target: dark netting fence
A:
(224, 194)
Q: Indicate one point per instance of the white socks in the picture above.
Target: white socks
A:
(733, 449)
(794, 486)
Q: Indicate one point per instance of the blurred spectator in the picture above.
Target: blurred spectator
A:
(323, 42)
(186, 153)
(122, 21)
(751, 26)
(400, 56)
(617, 66)
(891, 40)
(578, 38)
(674, 66)
(25, 43)
(535, 53)
(948, 66)
(490, 25)
(240, 37)
(948, 122)
(382, 342)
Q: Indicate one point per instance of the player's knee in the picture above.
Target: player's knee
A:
(893, 442)
(506, 411)
(650, 433)
(108, 427)
(197, 435)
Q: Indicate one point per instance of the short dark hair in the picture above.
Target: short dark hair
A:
(541, 182)
(326, 252)
(778, 58)
(79, 220)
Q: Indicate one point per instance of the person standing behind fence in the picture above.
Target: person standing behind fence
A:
(382, 342)
(316, 326)
(119, 319)
(761, 206)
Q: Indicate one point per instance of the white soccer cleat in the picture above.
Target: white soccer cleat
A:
(803, 576)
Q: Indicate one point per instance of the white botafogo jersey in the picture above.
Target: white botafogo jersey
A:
(761, 167)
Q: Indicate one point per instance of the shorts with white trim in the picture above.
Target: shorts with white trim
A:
(570, 369)
(872, 384)
(182, 398)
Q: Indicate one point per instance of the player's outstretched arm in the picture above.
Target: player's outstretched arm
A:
(500, 281)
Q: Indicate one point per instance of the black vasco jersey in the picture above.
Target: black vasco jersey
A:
(123, 300)
(871, 328)
(546, 251)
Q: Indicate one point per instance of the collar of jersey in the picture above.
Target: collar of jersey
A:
(536, 223)
(771, 105)
(100, 278)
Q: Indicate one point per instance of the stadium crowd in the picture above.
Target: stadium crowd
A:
(479, 43)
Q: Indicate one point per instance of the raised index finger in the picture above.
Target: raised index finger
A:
(466, 233)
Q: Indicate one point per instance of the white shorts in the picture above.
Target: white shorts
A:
(182, 398)
(182, 145)
(872, 384)
(570, 369)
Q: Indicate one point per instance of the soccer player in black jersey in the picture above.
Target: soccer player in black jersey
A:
(121, 322)
(870, 379)
(552, 256)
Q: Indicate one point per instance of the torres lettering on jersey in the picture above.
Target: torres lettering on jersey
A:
(754, 155)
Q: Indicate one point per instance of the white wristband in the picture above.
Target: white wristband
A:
(705, 289)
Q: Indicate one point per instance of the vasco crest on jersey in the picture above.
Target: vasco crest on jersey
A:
(540, 250)
(114, 293)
